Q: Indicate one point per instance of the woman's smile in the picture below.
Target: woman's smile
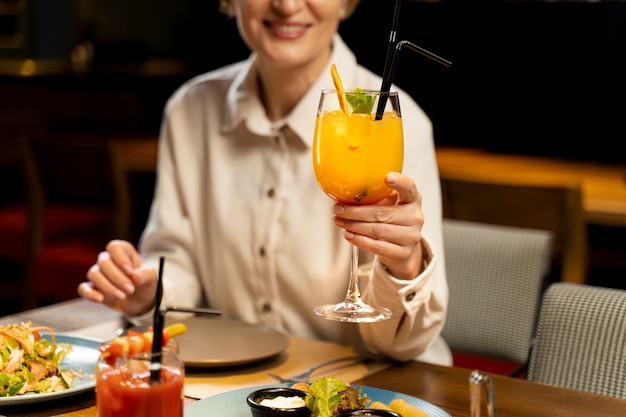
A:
(287, 30)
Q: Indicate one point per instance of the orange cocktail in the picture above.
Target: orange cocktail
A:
(357, 140)
(352, 153)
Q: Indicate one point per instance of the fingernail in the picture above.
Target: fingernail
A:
(129, 289)
(392, 178)
(348, 234)
(338, 209)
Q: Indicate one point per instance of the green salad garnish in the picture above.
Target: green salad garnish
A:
(331, 396)
(360, 101)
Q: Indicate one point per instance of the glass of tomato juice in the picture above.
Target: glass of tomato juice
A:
(123, 388)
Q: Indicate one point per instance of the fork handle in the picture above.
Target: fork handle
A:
(332, 361)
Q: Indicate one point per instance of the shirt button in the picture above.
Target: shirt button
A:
(410, 296)
(262, 251)
(267, 307)
(271, 193)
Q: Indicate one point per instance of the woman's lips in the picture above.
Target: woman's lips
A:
(287, 30)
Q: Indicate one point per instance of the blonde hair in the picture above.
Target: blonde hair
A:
(226, 8)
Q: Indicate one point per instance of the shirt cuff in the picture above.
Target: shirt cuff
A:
(411, 293)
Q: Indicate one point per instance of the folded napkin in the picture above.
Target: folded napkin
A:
(298, 357)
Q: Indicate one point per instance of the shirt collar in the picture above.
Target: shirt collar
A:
(244, 105)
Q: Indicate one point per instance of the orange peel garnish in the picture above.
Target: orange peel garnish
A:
(343, 103)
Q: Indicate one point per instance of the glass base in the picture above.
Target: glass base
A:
(353, 312)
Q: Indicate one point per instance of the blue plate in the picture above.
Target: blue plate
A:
(82, 359)
(233, 403)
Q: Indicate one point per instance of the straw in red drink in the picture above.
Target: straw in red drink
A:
(157, 329)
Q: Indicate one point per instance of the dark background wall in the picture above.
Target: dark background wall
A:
(537, 77)
(530, 77)
(545, 78)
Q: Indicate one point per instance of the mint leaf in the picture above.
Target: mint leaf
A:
(360, 101)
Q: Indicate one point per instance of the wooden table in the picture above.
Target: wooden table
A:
(445, 387)
(448, 388)
(603, 185)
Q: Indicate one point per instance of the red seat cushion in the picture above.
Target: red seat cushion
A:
(59, 269)
(72, 238)
(13, 232)
(61, 221)
(68, 220)
(484, 363)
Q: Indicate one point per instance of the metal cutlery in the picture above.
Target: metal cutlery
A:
(304, 376)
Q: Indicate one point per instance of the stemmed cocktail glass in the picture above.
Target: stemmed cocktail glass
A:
(352, 153)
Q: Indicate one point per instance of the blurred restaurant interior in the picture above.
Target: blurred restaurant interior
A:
(538, 79)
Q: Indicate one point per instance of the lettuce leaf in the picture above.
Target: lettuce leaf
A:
(331, 396)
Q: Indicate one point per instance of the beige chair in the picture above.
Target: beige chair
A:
(581, 340)
(556, 207)
(495, 275)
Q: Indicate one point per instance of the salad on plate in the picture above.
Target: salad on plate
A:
(30, 363)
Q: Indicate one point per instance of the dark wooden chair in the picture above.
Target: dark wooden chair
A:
(13, 225)
(556, 207)
(79, 200)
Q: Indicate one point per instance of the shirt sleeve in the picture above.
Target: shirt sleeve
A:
(169, 230)
(419, 306)
(418, 309)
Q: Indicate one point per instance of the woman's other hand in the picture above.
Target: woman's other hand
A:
(121, 280)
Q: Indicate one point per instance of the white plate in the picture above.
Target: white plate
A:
(221, 342)
(233, 403)
(82, 359)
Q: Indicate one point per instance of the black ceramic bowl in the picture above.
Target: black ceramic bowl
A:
(370, 412)
(254, 399)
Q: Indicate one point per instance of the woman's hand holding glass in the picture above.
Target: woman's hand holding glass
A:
(391, 228)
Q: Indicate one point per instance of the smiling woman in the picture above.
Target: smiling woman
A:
(225, 7)
(238, 213)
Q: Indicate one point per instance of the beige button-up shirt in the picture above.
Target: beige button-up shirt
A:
(246, 229)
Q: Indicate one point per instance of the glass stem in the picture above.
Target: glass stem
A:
(353, 295)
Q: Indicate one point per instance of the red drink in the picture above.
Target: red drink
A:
(124, 390)
(123, 394)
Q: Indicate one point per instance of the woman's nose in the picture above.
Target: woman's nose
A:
(288, 7)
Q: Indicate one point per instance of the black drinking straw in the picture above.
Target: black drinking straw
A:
(157, 329)
(393, 50)
(386, 85)
(393, 34)
(389, 61)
